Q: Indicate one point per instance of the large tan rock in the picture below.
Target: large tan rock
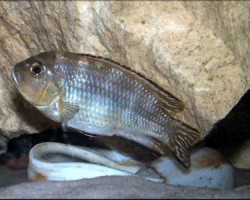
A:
(198, 51)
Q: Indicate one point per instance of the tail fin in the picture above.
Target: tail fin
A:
(181, 140)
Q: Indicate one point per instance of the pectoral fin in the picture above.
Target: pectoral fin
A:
(68, 110)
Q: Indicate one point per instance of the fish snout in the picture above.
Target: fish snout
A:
(15, 75)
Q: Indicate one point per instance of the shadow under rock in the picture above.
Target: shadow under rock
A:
(230, 133)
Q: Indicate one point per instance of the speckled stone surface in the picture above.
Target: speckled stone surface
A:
(113, 187)
(198, 50)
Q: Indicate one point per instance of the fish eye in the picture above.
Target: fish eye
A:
(37, 69)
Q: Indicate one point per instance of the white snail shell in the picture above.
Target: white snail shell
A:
(41, 169)
(208, 169)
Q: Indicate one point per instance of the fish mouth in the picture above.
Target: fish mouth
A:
(15, 76)
(17, 80)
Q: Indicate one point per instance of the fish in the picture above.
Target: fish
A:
(104, 98)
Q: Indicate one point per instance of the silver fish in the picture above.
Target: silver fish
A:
(102, 97)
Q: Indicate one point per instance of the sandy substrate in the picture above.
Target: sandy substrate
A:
(112, 187)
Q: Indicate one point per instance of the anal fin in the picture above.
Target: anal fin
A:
(149, 142)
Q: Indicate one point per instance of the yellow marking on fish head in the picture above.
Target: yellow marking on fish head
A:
(33, 79)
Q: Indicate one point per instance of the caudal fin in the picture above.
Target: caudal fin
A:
(181, 140)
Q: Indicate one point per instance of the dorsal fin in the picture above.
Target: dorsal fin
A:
(168, 102)
(181, 140)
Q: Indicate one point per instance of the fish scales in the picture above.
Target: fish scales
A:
(117, 104)
(102, 97)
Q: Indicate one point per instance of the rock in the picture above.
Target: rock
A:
(241, 158)
(198, 51)
(17, 176)
(209, 169)
(113, 187)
